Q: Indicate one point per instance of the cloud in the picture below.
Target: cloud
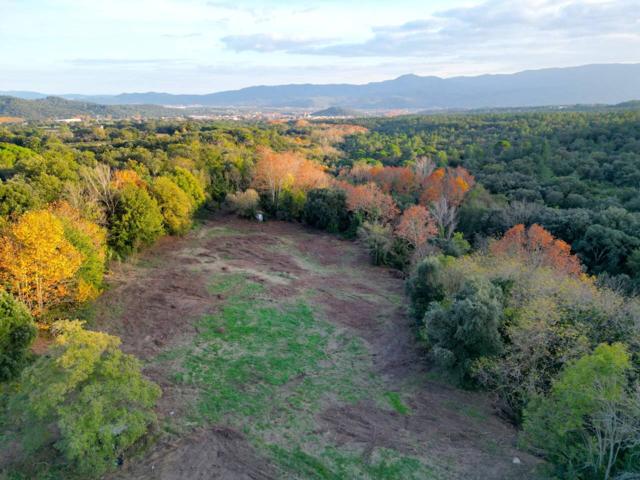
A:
(264, 42)
(538, 25)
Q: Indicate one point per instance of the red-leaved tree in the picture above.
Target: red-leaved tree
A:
(416, 226)
(370, 201)
(538, 247)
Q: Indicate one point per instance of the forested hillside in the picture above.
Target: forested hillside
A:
(517, 237)
(576, 174)
(51, 108)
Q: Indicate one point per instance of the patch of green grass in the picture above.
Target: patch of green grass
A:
(246, 353)
(268, 368)
(264, 366)
(231, 282)
(396, 403)
(335, 464)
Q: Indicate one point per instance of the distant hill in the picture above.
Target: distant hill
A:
(336, 112)
(56, 108)
(589, 84)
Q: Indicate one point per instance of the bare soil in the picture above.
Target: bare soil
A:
(154, 303)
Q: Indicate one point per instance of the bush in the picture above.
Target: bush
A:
(589, 424)
(466, 329)
(136, 221)
(245, 204)
(175, 205)
(17, 332)
(86, 397)
(326, 209)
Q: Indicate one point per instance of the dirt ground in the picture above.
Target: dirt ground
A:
(154, 304)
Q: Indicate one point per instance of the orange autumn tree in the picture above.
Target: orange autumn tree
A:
(276, 172)
(369, 201)
(449, 183)
(37, 262)
(538, 247)
(309, 175)
(398, 180)
(416, 226)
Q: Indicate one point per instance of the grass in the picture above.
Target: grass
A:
(268, 368)
(335, 464)
(396, 403)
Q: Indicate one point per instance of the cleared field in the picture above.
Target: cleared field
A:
(283, 354)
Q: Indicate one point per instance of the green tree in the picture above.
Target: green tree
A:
(589, 424)
(86, 397)
(136, 221)
(190, 185)
(466, 329)
(175, 205)
(424, 285)
(17, 332)
(326, 209)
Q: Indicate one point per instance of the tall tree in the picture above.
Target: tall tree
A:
(37, 262)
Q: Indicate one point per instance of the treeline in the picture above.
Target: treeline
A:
(577, 174)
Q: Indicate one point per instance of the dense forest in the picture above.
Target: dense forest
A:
(576, 174)
(518, 236)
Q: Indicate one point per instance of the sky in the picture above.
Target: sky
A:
(203, 46)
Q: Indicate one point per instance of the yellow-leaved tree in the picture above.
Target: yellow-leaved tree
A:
(37, 262)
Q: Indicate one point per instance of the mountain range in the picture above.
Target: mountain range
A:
(588, 84)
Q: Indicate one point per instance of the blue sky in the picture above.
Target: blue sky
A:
(200, 46)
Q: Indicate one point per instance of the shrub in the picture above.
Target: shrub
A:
(17, 332)
(466, 329)
(136, 221)
(175, 205)
(589, 424)
(245, 204)
(86, 397)
(326, 209)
